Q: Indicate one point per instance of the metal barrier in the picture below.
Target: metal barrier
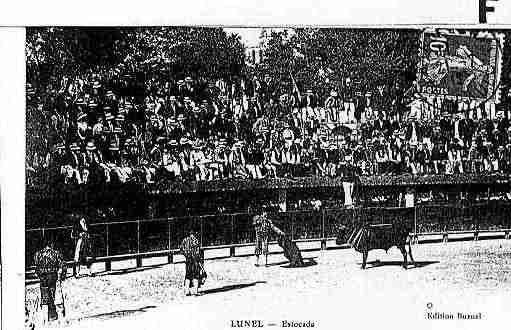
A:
(137, 239)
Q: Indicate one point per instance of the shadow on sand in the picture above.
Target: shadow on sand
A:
(230, 287)
(418, 264)
(126, 271)
(121, 313)
(307, 262)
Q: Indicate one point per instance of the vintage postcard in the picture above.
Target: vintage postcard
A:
(226, 175)
(288, 177)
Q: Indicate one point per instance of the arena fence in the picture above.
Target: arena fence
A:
(144, 238)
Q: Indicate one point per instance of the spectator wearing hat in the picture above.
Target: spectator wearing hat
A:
(395, 159)
(171, 161)
(348, 97)
(185, 159)
(276, 154)
(381, 158)
(421, 158)
(93, 163)
(255, 159)
(505, 158)
(332, 160)
(348, 173)
(381, 125)
(413, 132)
(474, 158)
(454, 160)
(198, 161)
(74, 167)
(306, 159)
(221, 157)
(237, 162)
(335, 112)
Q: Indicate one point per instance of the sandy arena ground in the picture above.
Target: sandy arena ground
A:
(332, 291)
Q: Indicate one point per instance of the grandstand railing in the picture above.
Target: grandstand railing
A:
(144, 238)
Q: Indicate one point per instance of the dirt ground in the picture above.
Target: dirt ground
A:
(331, 291)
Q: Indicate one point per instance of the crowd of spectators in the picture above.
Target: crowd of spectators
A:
(88, 129)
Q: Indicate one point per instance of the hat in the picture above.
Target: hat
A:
(107, 108)
(333, 93)
(113, 146)
(92, 104)
(309, 91)
(173, 143)
(109, 93)
(198, 145)
(180, 82)
(96, 85)
(74, 146)
(81, 116)
(80, 101)
(180, 117)
(332, 147)
(118, 130)
(187, 99)
(128, 104)
(259, 140)
(120, 117)
(161, 139)
(60, 146)
(188, 79)
(129, 141)
(90, 146)
(30, 89)
(172, 98)
(108, 116)
(184, 141)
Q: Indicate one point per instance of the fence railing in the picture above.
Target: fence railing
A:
(151, 237)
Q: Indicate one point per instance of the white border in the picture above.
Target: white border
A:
(12, 174)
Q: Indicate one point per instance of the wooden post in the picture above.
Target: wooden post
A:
(476, 236)
(282, 196)
(445, 238)
(232, 251)
(506, 234)
(108, 262)
(414, 240)
(139, 258)
(323, 234)
(170, 255)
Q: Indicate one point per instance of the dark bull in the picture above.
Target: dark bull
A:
(365, 237)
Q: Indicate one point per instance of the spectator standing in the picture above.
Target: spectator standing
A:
(195, 275)
(80, 234)
(50, 269)
(263, 227)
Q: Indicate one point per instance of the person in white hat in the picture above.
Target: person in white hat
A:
(237, 161)
(198, 161)
(348, 97)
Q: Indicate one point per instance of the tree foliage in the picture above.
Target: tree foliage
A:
(206, 52)
(319, 57)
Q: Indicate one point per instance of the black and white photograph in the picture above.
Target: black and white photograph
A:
(218, 177)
